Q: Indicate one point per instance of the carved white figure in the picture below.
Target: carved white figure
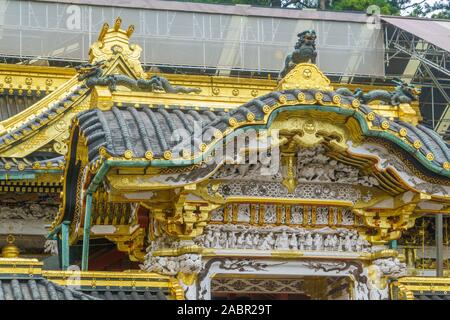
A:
(232, 240)
(348, 243)
(51, 246)
(240, 242)
(293, 243)
(341, 244)
(318, 242)
(223, 240)
(249, 241)
(216, 240)
(360, 242)
(190, 263)
(301, 242)
(391, 267)
(209, 239)
(334, 242)
(267, 242)
(282, 242)
(308, 242)
(327, 243)
(255, 241)
(354, 240)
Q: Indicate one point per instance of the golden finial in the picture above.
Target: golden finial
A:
(103, 31)
(10, 250)
(117, 24)
(130, 30)
(114, 40)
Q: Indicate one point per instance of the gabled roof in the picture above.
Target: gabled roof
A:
(24, 279)
(125, 294)
(147, 132)
(14, 101)
(432, 295)
(37, 288)
(20, 287)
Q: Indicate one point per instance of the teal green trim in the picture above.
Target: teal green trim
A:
(53, 235)
(99, 176)
(347, 112)
(17, 176)
(87, 216)
(86, 232)
(360, 117)
(393, 244)
(65, 245)
(23, 175)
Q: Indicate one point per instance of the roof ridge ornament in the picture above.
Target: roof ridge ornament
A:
(103, 68)
(304, 52)
(10, 250)
(113, 41)
(300, 71)
(93, 74)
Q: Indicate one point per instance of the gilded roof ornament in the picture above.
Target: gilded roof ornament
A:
(304, 52)
(300, 71)
(113, 41)
(10, 250)
(305, 76)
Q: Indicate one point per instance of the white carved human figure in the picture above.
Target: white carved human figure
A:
(171, 266)
(318, 242)
(301, 242)
(249, 241)
(267, 242)
(308, 242)
(209, 238)
(293, 243)
(341, 244)
(359, 243)
(354, 240)
(327, 243)
(348, 243)
(224, 240)
(216, 240)
(232, 240)
(278, 238)
(255, 241)
(282, 242)
(334, 242)
(240, 242)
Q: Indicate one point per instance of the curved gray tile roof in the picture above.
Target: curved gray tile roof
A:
(37, 289)
(41, 119)
(47, 162)
(154, 127)
(159, 129)
(14, 101)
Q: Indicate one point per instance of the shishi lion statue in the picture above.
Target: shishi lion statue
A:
(305, 51)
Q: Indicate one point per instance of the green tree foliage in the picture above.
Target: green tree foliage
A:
(438, 10)
(386, 7)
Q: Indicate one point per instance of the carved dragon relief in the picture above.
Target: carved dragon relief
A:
(403, 93)
(94, 75)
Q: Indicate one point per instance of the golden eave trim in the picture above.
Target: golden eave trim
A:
(424, 281)
(39, 106)
(107, 275)
(319, 202)
(25, 70)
